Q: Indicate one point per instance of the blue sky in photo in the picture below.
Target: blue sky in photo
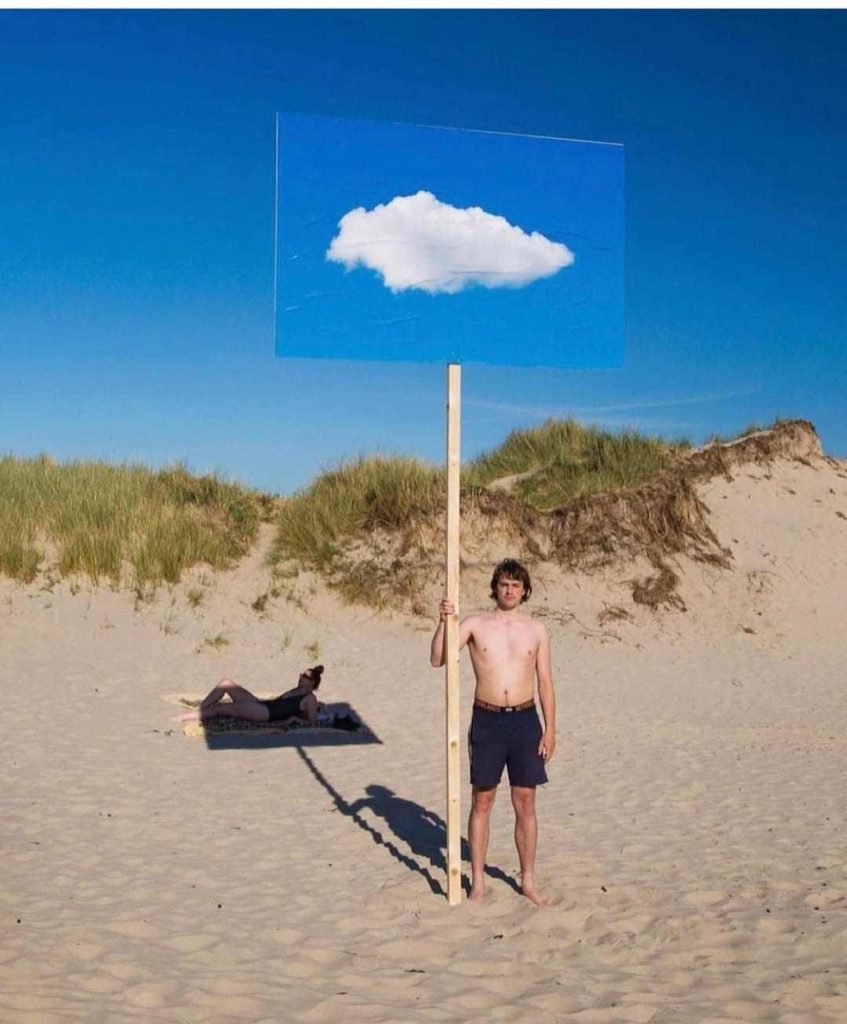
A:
(137, 226)
(513, 255)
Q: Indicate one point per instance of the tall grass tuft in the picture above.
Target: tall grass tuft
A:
(561, 460)
(125, 523)
(360, 496)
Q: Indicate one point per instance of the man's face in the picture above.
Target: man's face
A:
(509, 592)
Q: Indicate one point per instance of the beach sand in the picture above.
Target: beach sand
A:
(691, 837)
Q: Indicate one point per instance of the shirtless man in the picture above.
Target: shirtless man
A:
(508, 651)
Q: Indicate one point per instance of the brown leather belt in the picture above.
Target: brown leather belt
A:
(527, 704)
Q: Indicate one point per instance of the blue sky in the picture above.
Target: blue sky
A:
(420, 243)
(137, 231)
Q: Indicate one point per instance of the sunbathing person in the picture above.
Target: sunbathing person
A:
(298, 706)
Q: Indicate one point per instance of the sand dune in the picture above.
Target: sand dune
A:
(692, 836)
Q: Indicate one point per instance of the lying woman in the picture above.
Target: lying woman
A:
(298, 706)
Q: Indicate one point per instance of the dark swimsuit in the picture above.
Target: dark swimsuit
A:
(284, 707)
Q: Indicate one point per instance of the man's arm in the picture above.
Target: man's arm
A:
(436, 649)
(546, 695)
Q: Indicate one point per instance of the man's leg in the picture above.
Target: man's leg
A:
(482, 801)
(526, 840)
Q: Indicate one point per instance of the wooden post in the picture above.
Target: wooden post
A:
(451, 663)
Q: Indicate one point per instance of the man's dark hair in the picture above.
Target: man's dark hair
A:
(511, 569)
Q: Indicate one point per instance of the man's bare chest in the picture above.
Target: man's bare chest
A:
(515, 644)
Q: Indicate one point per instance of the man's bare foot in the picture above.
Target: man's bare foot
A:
(189, 716)
(477, 893)
(534, 896)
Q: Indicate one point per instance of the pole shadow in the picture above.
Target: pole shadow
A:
(422, 830)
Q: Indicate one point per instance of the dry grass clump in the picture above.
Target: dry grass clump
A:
(357, 498)
(563, 460)
(380, 579)
(124, 523)
(787, 439)
(662, 517)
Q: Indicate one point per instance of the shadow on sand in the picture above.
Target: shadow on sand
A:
(423, 831)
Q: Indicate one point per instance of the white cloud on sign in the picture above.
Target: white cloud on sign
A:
(419, 242)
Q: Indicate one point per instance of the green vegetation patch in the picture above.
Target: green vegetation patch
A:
(114, 521)
(562, 460)
(356, 499)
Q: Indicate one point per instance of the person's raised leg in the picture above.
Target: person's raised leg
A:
(526, 840)
(237, 694)
(482, 800)
(224, 687)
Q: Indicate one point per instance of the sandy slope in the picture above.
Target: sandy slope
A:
(692, 834)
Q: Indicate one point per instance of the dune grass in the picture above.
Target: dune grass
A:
(558, 461)
(125, 523)
(355, 498)
(132, 525)
(562, 460)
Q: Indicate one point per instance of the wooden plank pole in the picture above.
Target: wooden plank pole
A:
(451, 652)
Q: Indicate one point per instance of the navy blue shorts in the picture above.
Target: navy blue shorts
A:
(505, 738)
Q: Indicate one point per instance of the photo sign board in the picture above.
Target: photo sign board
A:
(409, 243)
